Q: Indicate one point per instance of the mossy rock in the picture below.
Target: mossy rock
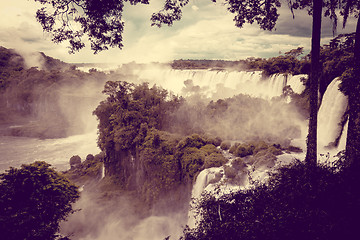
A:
(225, 145)
(230, 172)
(75, 161)
(239, 164)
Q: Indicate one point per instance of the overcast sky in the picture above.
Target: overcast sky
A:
(206, 31)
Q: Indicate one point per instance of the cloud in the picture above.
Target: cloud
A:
(301, 24)
(194, 7)
(206, 31)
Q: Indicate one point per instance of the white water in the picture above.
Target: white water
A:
(332, 108)
(215, 84)
(76, 105)
(20, 150)
(102, 171)
(295, 83)
(202, 181)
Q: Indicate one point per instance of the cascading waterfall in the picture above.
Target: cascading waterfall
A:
(331, 112)
(102, 171)
(202, 181)
(295, 82)
(217, 84)
(342, 141)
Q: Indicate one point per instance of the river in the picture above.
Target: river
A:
(57, 152)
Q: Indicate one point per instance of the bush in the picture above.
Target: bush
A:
(244, 150)
(209, 149)
(260, 145)
(233, 148)
(298, 202)
(238, 163)
(194, 140)
(214, 160)
(216, 141)
(34, 200)
(89, 157)
(191, 161)
(253, 148)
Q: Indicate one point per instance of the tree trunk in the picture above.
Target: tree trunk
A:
(353, 135)
(311, 154)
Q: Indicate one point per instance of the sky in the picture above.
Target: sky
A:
(206, 31)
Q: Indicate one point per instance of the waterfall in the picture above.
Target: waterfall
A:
(102, 171)
(295, 83)
(217, 84)
(342, 141)
(202, 181)
(331, 111)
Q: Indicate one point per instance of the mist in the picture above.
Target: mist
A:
(234, 105)
(226, 113)
(123, 217)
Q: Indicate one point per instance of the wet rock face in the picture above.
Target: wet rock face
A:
(125, 166)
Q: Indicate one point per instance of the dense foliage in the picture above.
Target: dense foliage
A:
(34, 200)
(289, 63)
(296, 203)
(144, 144)
(130, 111)
(207, 64)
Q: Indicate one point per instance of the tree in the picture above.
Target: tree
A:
(102, 22)
(34, 200)
(314, 7)
(351, 77)
(129, 111)
(311, 154)
(351, 83)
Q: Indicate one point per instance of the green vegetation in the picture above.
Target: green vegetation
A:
(160, 167)
(287, 63)
(154, 142)
(147, 155)
(296, 203)
(254, 148)
(208, 64)
(144, 153)
(34, 200)
(130, 111)
(87, 171)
